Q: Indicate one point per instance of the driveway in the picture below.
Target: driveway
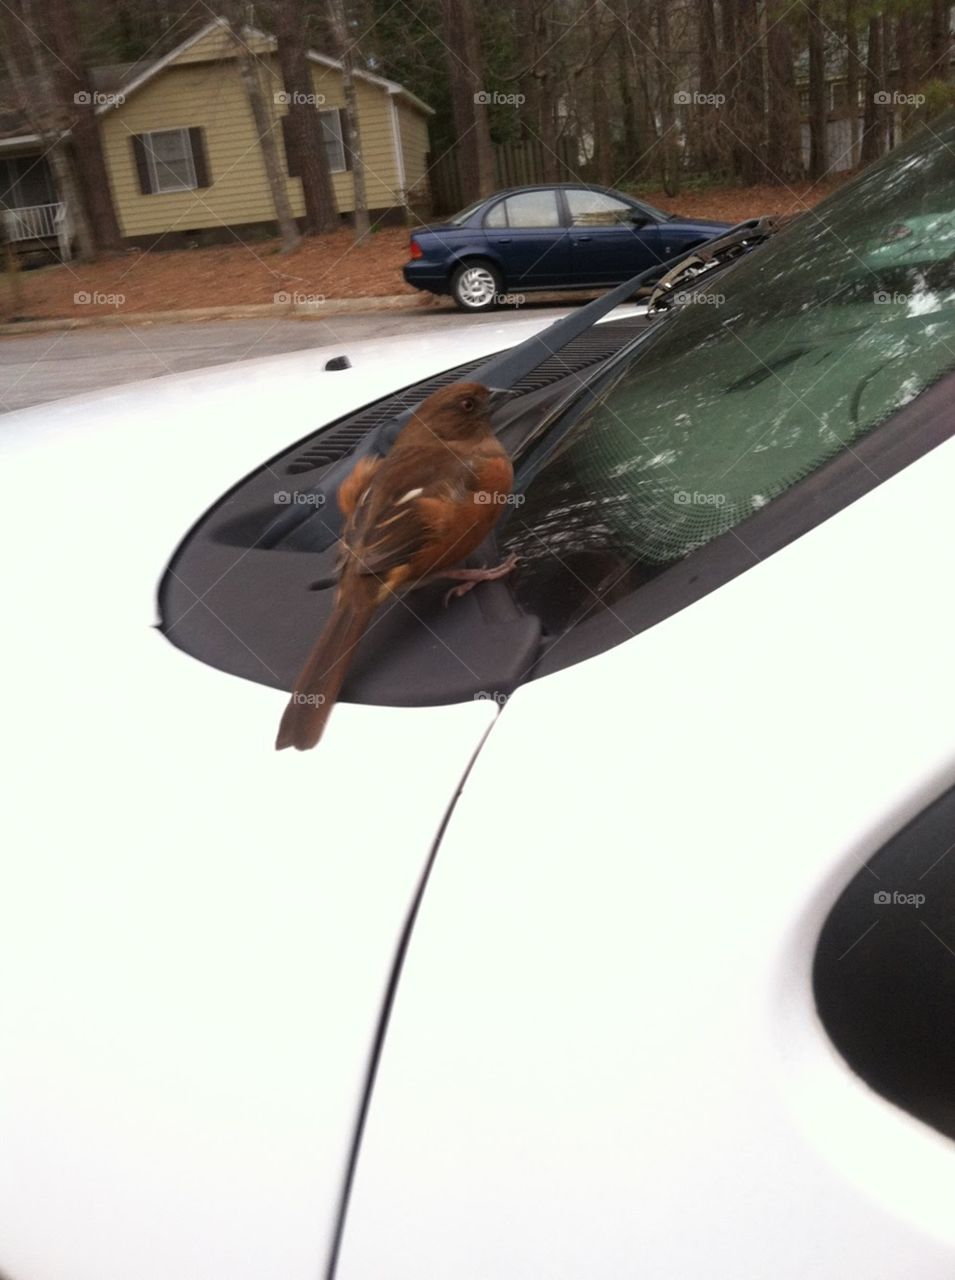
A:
(38, 367)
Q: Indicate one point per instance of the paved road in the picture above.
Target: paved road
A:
(38, 367)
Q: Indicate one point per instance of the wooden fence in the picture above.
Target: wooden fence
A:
(516, 164)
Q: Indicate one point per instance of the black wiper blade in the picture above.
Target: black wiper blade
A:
(710, 255)
(503, 370)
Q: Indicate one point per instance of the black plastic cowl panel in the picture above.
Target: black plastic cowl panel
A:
(240, 599)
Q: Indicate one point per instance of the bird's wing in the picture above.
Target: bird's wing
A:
(405, 509)
(356, 483)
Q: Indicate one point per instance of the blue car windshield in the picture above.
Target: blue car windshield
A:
(775, 367)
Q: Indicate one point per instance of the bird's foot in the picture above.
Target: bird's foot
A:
(469, 578)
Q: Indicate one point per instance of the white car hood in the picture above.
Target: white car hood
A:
(197, 931)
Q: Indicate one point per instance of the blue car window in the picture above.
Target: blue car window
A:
(533, 209)
(496, 217)
(594, 209)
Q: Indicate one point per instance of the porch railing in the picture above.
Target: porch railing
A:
(34, 222)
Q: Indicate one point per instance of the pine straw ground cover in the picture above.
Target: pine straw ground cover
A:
(331, 266)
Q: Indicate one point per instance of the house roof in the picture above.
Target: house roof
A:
(216, 24)
(128, 77)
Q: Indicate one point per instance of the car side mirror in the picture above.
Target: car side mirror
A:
(638, 219)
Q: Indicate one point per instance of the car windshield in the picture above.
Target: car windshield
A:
(777, 366)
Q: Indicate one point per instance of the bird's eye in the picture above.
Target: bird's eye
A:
(467, 404)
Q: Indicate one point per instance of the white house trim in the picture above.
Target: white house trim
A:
(396, 140)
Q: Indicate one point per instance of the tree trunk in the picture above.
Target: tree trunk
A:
(939, 40)
(818, 95)
(265, 131)
(339, 26)
(600, 106)
(905, 62)
(468, 100)
(750, 95)
(68, 187)
(784, 151)
(304, 123)
(711, 151)
(669, 155)
(852, 80)
(76, 92)
(873, 125)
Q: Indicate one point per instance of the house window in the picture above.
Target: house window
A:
(169, 156)
(171, 160)
(334, 140)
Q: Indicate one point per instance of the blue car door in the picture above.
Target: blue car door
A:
(612, 239)
(526, 233)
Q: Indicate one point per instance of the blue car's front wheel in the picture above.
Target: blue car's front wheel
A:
(476, 286)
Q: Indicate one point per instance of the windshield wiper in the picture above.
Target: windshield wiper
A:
(708, 257)
(503, 370)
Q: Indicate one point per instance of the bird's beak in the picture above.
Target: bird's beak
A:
(498, 396)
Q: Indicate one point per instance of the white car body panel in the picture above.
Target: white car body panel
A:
(604, 1058)
(198, 931)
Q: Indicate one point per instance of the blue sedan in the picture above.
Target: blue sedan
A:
(567, 236)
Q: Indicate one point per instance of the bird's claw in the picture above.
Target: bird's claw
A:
(467, 579)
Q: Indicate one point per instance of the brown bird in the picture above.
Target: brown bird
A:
(409, 517)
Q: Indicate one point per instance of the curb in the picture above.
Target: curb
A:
(250, 311)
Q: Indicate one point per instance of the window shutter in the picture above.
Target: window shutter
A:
(199, 159)
(292, 166)
(346, 135)
(142, 165)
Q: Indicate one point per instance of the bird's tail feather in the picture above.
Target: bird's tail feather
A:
(320, 680)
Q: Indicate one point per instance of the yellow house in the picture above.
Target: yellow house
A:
(182, 149)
